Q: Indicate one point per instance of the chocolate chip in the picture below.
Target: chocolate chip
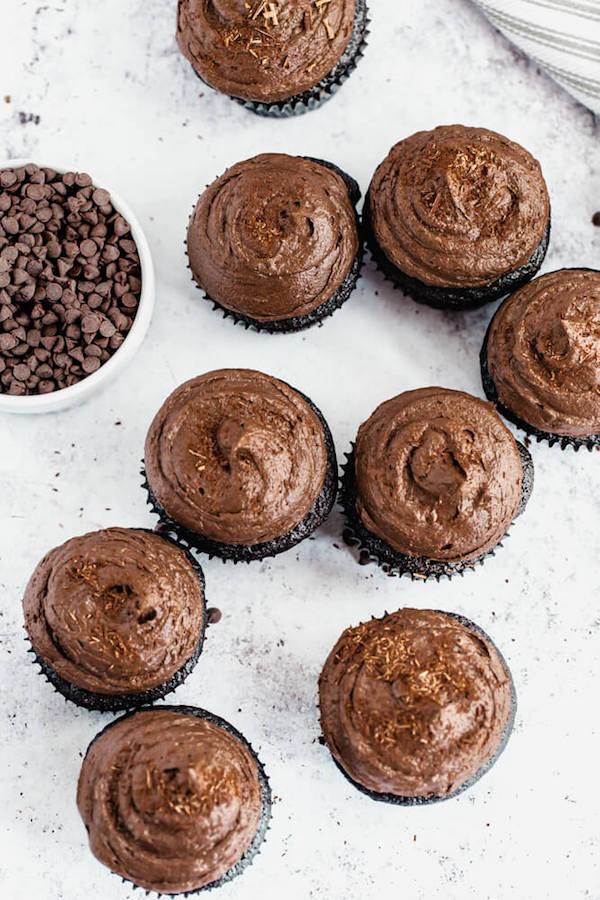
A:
(10, 225)
(88, 247)
(90, 323)
(22, 372)
(34, 267)
(110, 253)
(116, 340)
(35, 191)
(8, 342)
(8, 178)
(77, 353)
(54, 291)
(63, 266)
(69, 279)
(90, 364)
(107, 328)
(127, 245)
(43, 214)
(101, 197)
(120, 226)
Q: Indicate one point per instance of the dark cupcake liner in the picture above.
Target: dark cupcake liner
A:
(326, 309)
(265, 814)
(329, 85)
(452, 299)
(373, 549)
(117, 702)
(424, 801)
(592, 442)
(239, 552)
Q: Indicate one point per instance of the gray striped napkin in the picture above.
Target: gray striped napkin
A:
(563, 36)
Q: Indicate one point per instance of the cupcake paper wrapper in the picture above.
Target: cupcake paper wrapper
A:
(592, 442)
(117, 702)
(452, 299)
(424, 801)
(265, 814)
(337, 299)
(373, 549)
(330, 84)
(239, 552)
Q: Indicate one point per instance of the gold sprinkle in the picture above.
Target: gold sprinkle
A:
(271, 14)
(259, 9)
(201, 463)
(329, 29)
(386, 654)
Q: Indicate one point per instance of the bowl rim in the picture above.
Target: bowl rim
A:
(67, 396)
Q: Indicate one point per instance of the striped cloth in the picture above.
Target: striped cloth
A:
(563, 36)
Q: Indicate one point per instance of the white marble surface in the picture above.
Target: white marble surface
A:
(102, 86)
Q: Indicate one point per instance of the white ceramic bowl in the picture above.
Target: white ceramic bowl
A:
(77, 393)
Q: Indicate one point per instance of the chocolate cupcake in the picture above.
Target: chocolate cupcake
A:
(458, 216)
(274, 241)
(416, 706)
(433, 483)
(116, 618)
(276, 58)
(240, 465)
(540, 361)
(174, 799)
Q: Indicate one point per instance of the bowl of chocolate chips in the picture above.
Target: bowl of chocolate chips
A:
(76, 287)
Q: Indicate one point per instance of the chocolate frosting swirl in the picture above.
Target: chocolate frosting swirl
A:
(116, 611)
(458, 207)
(264, 51)
(170, 801)
(543, 353)
(274, 237)
(237, 456)
(413, 704)
(438, 474)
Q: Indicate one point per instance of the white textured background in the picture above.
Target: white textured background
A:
(101, 86)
